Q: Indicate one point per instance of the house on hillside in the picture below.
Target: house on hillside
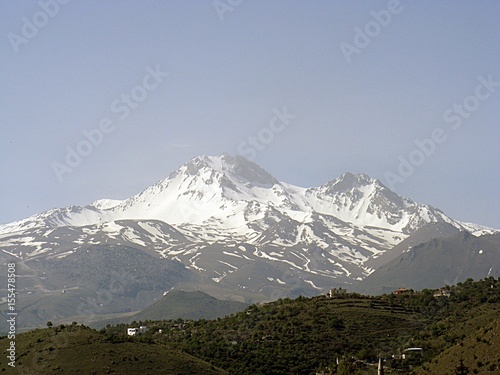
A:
(409, 356)
(334, 292)
(399, 291)
(413, 354)
(132, 331)
(442, 293)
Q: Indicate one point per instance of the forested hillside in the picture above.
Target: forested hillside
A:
(456, 327)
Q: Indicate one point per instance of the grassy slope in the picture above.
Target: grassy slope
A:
(479, 349)
(301, 335)
(288, 336)
(296, 336)
(78, 349)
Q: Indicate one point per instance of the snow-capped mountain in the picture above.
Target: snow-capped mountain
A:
(234, 223)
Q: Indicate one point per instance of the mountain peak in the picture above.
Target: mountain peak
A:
(234, 192)
(237, 167)
(358, 179)
(348, 181)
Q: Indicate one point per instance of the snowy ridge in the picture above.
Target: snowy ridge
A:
(219, 215)
(232, 191)
(103, 204)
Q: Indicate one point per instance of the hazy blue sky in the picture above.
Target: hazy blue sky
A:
(229, 71)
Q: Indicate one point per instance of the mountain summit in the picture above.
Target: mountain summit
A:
(236, 227)
(232, 167)
(234, 192)
(228, 192)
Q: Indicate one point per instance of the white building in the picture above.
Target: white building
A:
(136, 331)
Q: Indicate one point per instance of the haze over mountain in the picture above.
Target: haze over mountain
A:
(188, 305)
(440, 261)
(228, 228)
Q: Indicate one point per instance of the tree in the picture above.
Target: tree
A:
(49, 324)
(345, 367)
(461, 369)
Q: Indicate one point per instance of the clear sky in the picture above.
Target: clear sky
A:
(367, 87)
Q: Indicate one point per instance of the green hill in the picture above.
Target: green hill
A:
(307, 334)
(189, 305)
(292, 336)
(78, 349)
(479, 350)
(299, 336)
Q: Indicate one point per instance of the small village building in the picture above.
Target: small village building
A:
(132, 331)
(412, 353)
(399, 291)
(442, 293)
(336, 292)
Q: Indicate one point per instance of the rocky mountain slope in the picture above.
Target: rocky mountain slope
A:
(440, 261)
(234, 230)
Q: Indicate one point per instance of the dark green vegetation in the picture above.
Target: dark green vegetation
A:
(78, 349)
(303, 336)
(290, 336)
(465, 326)
(479, 350)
